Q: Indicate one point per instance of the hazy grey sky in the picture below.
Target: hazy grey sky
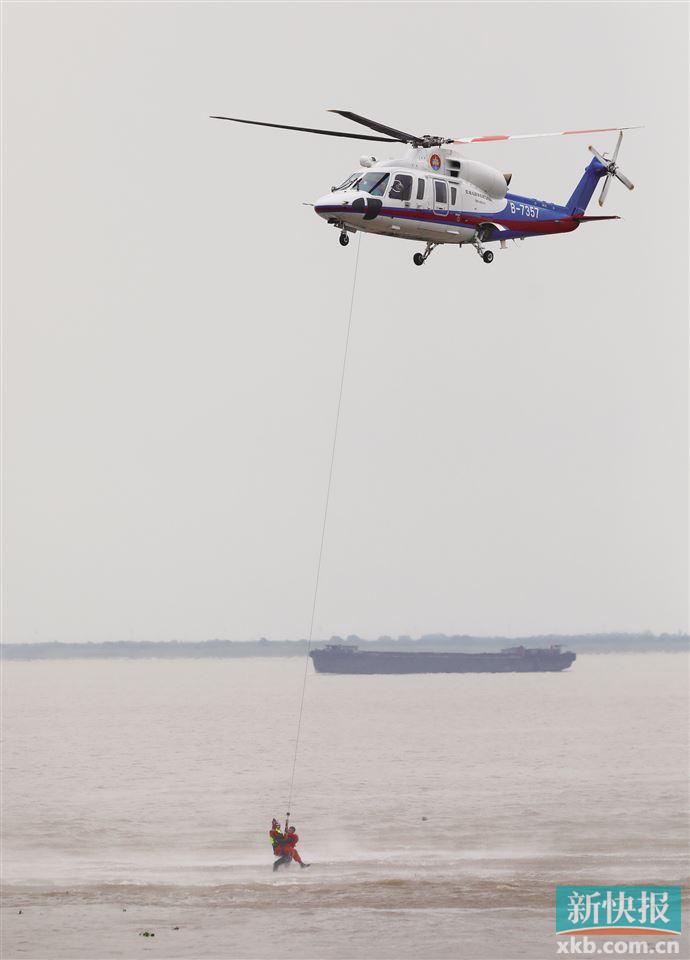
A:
(513, 446)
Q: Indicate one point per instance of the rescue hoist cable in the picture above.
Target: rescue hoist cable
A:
(323, 525)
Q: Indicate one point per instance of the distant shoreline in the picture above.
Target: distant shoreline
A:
(232, 649)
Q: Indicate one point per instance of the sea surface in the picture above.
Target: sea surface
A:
(438, 812)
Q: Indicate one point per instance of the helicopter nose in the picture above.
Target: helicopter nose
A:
(330, 206)
(348, 206)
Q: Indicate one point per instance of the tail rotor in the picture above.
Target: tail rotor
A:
(612, 169)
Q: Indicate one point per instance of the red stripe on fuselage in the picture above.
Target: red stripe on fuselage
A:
(562, 225)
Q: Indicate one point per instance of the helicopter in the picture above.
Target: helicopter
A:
(435, 195)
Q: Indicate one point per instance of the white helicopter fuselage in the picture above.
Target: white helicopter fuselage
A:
(419, 197)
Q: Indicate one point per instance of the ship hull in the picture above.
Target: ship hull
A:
(380, 662)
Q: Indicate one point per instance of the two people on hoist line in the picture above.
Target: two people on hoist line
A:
(284, 844)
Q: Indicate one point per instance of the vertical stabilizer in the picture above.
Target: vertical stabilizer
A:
(582, 194)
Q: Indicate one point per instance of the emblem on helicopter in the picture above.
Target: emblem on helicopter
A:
(435, 161)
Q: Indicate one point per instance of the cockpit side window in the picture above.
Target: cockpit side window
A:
(401, 188)
(374, 183)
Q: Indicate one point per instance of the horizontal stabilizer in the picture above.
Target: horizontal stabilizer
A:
(582, 219)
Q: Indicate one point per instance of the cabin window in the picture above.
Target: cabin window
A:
(401, 188)
(420, 188)
(441, 191)
(374, 183)
(453, 195)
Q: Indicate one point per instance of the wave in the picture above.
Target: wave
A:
(322, 888)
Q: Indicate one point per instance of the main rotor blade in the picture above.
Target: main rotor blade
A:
(325, 133)
(380, 127)
(532, 136)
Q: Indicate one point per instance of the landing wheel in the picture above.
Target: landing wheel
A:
(487, 256)
(418, 259)
(344, 239)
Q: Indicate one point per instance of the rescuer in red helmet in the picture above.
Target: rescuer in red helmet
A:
(290, 841)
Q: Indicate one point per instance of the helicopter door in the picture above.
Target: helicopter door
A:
(441, 197)
(455, 197)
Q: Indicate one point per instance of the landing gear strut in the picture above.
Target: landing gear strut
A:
(486, 255)
(420, 258)
(344, 239)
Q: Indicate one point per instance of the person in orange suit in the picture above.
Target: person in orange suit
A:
(290, 841)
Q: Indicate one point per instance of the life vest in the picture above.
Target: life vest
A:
(277, 840)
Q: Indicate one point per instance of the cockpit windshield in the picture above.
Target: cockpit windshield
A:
(349, 184)
(373, 183)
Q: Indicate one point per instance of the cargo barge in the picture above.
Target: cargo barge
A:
(346, 658)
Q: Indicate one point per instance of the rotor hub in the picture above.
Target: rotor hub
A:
(430, 141)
